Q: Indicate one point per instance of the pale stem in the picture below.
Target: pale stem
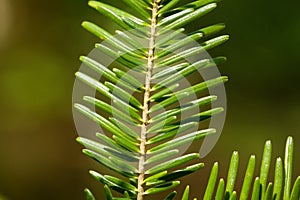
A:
(146, 104)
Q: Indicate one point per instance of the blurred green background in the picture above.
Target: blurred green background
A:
(40, 42)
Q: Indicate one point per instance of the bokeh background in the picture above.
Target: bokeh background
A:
(40, 42)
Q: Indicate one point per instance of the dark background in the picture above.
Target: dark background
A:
(40, 42)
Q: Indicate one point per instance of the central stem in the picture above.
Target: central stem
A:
(145, 115)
